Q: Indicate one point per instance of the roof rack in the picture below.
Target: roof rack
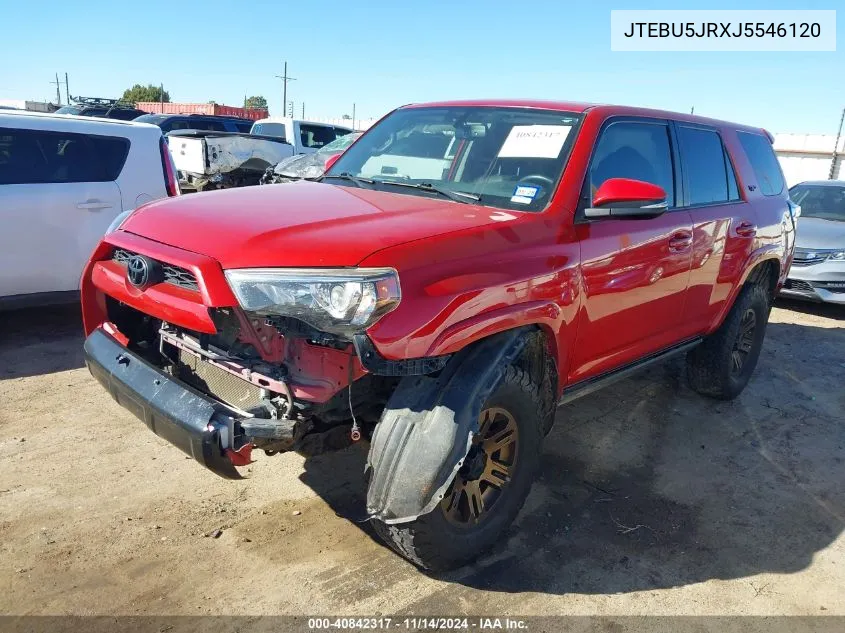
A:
(103, 102)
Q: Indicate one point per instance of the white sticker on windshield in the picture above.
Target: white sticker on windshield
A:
(534, 141)
(524, 194)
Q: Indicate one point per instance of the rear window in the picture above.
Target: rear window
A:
(707, 169)
(34, 156)
(269, 129)
(763, 162)
(316, 136)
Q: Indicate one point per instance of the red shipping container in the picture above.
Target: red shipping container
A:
(154, 107)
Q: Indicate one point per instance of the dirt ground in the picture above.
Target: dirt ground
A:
(652, 500)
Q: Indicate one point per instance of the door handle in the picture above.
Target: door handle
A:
(680, 241)
(94, 205)
(746, 229)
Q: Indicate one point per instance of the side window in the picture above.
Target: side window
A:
(763, 161)
(33, 156)
(637, 150)
(111, 152)
(316, 135)
(214, 126)
(21, 158)
(708, 171)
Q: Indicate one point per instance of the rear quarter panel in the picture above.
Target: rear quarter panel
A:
(142, 177)
(775, 236)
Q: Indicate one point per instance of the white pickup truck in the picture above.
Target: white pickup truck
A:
(305, 136)
(221, 160)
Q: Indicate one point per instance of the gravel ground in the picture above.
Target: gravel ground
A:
(652, 500)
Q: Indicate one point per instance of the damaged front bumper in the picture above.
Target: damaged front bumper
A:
(199, 426)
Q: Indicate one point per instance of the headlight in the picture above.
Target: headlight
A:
(120, 219)
(339, 301)
(838, 256)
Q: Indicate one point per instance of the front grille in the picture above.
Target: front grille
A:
(798, 285)
(172, 274)
(218, 383)
(808, 257)
(832, 286)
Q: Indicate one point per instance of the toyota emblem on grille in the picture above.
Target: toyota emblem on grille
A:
(138, 271)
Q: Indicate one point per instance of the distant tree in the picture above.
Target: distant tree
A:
(212, 102)
(346, 117)
(145, 93)
(256, 102)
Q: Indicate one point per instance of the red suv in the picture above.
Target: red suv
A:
(459, 271)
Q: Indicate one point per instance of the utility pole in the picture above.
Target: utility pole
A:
(58, 91)
(353, 117)
(161, 97)
(692, 110)
(303, 109)
(835, 148)
(67, 90)
(285, 79)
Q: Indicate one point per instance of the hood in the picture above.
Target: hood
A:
(301, 224)
(290, 161)
(820, 234)
(304, 165)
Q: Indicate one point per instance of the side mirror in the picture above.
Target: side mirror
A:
(627, 198)
(331, 160)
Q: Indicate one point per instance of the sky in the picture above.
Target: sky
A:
(382, 54)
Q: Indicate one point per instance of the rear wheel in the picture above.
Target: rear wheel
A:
(488, 490)
(722, 365)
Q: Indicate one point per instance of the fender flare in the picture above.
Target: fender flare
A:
(757, 257)
(427, 426)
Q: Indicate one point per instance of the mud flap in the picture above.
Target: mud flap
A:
(427, 426)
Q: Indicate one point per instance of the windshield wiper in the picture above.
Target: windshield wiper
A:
(358, 182)
(457, 196)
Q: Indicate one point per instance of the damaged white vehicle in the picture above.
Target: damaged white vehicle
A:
(208, 160)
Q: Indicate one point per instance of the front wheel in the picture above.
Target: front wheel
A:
(721, 366)
(488, 490)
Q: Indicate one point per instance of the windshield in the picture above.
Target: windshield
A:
(339, 144)
(826, 202)
(68, 109)
(269, 129)
(511, 158)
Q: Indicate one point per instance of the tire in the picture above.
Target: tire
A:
(436, 541)
(712, 366)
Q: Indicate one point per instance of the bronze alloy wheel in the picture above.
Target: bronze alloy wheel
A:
(487, 468)
(744, 341)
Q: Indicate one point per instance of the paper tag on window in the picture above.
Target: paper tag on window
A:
(524, 194)
(534, 141)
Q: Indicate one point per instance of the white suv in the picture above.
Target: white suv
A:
(63, 181)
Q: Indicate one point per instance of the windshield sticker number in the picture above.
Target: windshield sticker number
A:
(524, 195)
(534, 141)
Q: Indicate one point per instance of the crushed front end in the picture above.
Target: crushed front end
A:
(172, 343)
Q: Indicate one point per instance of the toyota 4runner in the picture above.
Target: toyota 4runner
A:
(458, 272)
